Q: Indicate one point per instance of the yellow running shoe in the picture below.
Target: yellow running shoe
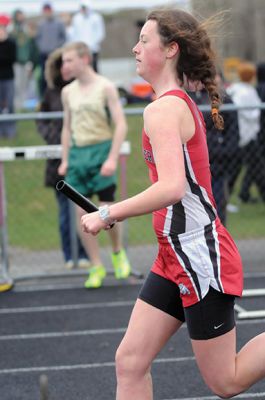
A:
(121, 264)
(6, 285)
(95, 278)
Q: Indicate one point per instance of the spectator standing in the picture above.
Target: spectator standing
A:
(26, 57)
(91, 149)
(261, 93)
(50, 130)
(222, 146)
(244, 93)
(50, 36)
(7, 61)
(89, 27)
(67, 20)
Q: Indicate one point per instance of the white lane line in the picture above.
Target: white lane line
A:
(240, 396)
(248, 322)
(239, 309)
(85, 366)
(112, 364)
(50, 335)
(91, 332)
(68, 307)
(250, 275)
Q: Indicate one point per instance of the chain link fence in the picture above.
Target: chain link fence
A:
(29, 214)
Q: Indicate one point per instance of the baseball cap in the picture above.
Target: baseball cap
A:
(46, 6)
(86, 3)
(4, 20)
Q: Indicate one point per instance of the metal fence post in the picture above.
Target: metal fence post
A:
(6, 281)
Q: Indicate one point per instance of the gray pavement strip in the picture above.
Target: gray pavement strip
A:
(25, 263)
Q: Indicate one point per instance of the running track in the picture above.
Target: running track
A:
(70, 334)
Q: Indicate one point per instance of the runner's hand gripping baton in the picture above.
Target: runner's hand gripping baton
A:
(77, 197)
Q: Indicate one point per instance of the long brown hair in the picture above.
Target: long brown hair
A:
(196, 58)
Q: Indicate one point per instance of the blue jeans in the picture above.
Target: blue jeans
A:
(65, 229)
(7, 92)
(220, 194)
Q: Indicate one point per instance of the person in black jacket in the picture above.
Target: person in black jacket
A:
(50, 130)
(7, 90)
(223, 148)
(261, 93)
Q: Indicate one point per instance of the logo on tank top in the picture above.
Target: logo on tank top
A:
(148, 156)
(183, 289)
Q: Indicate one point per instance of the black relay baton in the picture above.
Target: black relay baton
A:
(77, 197)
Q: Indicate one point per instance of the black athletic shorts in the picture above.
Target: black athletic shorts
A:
(107, 195)
(211, 317)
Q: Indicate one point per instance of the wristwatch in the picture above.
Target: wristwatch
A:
(105, 215)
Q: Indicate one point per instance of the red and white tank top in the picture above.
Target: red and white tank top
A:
(204, 252)
(197, 209)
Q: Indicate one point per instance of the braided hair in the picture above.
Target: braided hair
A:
(196, 59)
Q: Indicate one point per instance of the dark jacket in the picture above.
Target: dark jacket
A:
(7, 58)
(26, 46)
(261, 93)
(50, 130)
(222, 145)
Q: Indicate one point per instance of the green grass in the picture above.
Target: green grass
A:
(32, 209)
(249, 221)
(32, 214)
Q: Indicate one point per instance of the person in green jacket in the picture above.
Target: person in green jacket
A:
(26, 57)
